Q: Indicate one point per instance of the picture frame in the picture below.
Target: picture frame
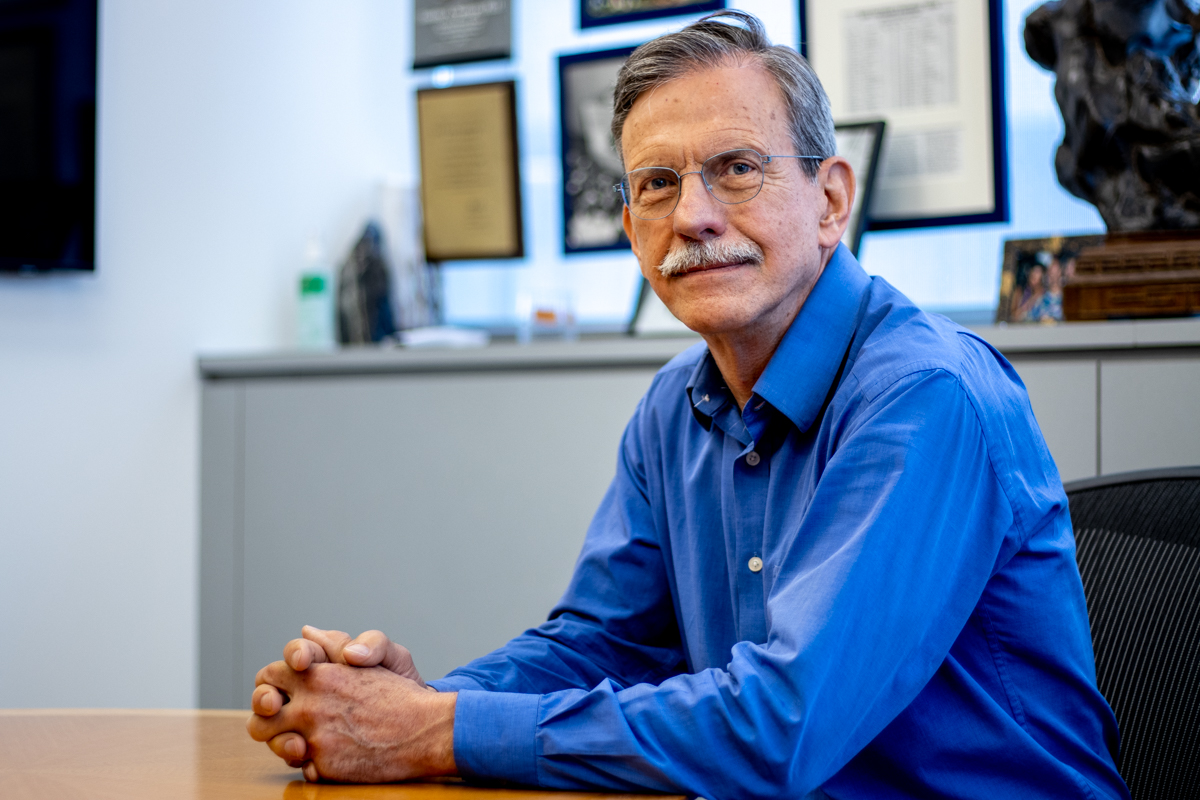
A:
(1032, 275)
(460, 31)
(860, 143)
(934, 71)
(595, 13)
(470, 173)
(591, 165)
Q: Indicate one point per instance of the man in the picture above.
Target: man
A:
(836, 557)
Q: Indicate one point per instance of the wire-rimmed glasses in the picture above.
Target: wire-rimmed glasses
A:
(732, 177)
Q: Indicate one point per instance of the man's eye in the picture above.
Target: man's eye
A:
(740, 168)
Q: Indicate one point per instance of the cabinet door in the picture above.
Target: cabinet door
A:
(1149, 413)
(446, 510)
(1063, 396)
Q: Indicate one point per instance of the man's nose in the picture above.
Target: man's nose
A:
(698, 215)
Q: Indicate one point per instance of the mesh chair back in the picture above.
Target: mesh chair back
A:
(1138, 545)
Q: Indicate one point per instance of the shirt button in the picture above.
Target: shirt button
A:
(752, 458)
(755, 564)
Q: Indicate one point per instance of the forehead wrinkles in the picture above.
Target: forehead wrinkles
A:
(707, 111)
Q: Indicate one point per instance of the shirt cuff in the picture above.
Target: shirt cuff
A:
(495, 735)
(456, 683)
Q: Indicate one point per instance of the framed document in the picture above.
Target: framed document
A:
(593, 13)
(859, 143)
(454, 31)
(470, 181)
(591, 165)
(933, 69)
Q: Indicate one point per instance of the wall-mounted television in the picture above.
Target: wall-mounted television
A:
(47, 135)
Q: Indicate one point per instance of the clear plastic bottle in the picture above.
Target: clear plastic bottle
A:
(315, 301)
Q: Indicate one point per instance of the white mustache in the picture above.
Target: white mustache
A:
(691, 255)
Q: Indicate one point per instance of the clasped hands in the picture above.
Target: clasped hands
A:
(352, 710)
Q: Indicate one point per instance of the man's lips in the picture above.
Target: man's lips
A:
(711, 267)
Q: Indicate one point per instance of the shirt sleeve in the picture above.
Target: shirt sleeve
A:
(616, 620)
(901, 536)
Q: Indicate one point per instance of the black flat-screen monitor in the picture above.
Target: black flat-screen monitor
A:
(47, 135)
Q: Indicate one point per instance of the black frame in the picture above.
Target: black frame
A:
(1000, 211)
(565, 63)
(519, 251)
(865, 183)
(586, 20)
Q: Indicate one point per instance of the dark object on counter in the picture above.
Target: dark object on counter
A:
(364, 297)
(1133, 275)
(1128, 82)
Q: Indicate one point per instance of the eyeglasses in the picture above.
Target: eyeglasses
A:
(732, 177)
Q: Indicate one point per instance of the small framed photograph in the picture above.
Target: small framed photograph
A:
(470, 178)
(591, 165)
(593, 13)
(1033, 275)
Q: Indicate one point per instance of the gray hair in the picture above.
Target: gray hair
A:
(712, 42)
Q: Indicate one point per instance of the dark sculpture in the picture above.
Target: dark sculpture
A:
(1128, 84)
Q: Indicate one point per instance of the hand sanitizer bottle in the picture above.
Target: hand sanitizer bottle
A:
(315, 307)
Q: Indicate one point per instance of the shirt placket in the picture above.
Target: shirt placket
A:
(751, 478)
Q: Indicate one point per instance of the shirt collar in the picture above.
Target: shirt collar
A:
(806, 362)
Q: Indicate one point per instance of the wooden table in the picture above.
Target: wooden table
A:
(51, 754)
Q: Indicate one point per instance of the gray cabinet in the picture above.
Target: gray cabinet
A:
(442, 496)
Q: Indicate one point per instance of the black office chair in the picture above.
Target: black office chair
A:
(1138, 540)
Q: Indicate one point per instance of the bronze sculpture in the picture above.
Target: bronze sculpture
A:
(1128, 84)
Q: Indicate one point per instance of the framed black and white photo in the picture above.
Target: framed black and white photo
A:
(859, 143)
(593, 13)
(934, 71)
(457, 31)
(591, 165)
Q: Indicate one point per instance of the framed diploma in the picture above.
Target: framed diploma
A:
(591, 165)
(593, 13)
(934, 71)
(455, 31)
(470, 181)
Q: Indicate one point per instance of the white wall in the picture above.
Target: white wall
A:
(229, 130)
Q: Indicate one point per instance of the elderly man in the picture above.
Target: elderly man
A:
(836, 558)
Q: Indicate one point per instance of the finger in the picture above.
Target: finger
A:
(310, 772)
(289, 746)
(264, 729)
(331, 642)
(368, 650)
(301, 653)
(279, 675)
(266, 701)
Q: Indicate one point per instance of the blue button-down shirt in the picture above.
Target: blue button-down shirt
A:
(862, 583)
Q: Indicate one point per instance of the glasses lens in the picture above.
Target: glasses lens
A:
(651, 192)
(734, 176)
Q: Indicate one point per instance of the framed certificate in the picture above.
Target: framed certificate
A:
(591, 165)
(470, 181)
(934, 71)
(455, 31)
(593, 13)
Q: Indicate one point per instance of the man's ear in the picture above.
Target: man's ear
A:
(836, 179)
